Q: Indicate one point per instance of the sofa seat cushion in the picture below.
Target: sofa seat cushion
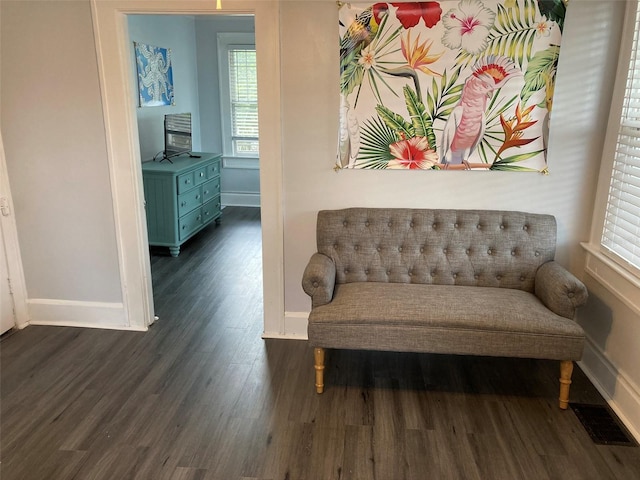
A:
(443, 319)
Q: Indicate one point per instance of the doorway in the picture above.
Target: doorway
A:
(198, 57)
(123, 149)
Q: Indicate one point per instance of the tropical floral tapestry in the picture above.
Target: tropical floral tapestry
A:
(452, 84)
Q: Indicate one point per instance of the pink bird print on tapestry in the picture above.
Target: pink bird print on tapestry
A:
(465, 126)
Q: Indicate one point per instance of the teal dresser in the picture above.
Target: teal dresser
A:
(181, 198)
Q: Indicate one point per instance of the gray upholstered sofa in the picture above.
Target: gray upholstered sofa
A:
(469, 282)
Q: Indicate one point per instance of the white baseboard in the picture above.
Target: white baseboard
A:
(620, 392)
(295, 327)
(240, 199)
(69, 313)
(295, 324)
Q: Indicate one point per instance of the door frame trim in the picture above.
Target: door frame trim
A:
(123, 150)
(9, 232)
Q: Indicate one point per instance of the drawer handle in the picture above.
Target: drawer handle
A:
(187, 181)
(183, 204)
(199, 217)
(184, 226)
(197, 197)
(202, 174)
(206, 213)
(206, 191)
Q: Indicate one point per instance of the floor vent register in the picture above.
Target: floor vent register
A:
(602, 425)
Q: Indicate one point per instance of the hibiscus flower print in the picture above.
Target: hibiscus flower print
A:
(410, 13)
(468, 26)
(412, 154)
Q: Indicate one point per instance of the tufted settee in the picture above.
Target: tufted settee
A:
(468, 282)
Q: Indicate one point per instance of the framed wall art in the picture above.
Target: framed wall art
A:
(155, 75)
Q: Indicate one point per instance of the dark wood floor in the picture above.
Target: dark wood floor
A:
(202, 396)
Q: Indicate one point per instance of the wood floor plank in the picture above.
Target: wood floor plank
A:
(359, 460)
(201, 396)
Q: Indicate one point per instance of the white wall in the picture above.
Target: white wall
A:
(176, 32)
(53, 131)
(239, 185)
(612, 354)
(310, 123)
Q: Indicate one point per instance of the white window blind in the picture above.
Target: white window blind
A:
(243, 92)
(621, 232)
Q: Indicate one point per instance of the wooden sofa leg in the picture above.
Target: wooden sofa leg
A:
(566, 369)
(318, 355)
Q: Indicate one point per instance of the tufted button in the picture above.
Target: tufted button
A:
(522, 278)
(346, 270)
(526, 227)
(366, 224)
(410, 273)
(366, 272)
(315, 284)
(435, 225)
(537, 254)
(356, 247)
(489, 252)
(513, 253)
(378, 249)
(444, 250)
(455, 275)
(498, 277)
(390, 224)
(421, 249)
(432, 273)
(570, 294)
(335, 245)
(478, 226)
(476, 276)
(501, 227)
(399, 249)
(345, 223)
(411, 224)
(455, 225)
(388, 272)
(468, 251)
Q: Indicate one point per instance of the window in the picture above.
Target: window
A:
(244, 101)
(621, 230)
(238, 94)
(613, 258)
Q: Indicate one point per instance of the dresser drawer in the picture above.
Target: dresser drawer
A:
(200, 175)
(211, 210)
(213, 169)
(190, 223)
(188, 201)
(186, 182)
(210, 190)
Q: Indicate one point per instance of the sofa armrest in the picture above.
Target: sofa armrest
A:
(319, 279)
(559, 290)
